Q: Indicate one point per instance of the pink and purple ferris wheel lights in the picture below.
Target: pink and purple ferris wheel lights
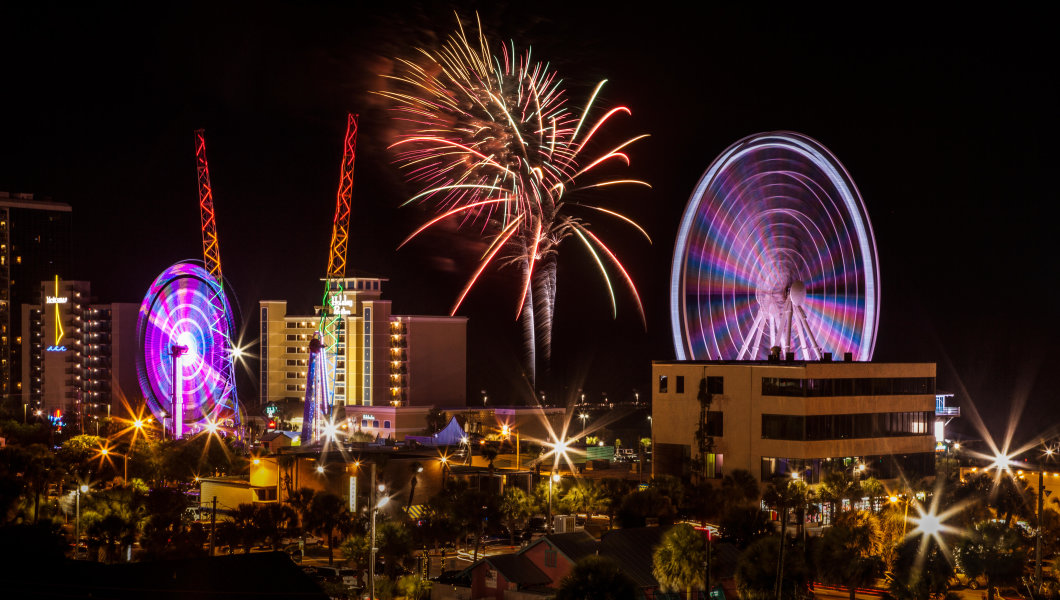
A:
(184, 362)
(775, 249)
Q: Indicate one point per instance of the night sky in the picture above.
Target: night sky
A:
(946, 125)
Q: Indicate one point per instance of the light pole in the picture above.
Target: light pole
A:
(1038, 533)
(81, 489)
(371, 562)
(553, 478)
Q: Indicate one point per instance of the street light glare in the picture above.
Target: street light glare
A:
(930, 524)
(1001, 461)
(84, 489)
(383, 501)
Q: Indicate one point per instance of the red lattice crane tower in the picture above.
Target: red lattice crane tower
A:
(320, 371)
(340, 228)
(211, 252)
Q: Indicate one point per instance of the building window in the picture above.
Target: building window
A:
(550, 558)
(386, 424)
(715, 423)
(679, 384)
(663, 384)
(850, 386)
(364, 422)
(375, 423)
(842, 427)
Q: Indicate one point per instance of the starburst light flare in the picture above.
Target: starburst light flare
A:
(492, 141)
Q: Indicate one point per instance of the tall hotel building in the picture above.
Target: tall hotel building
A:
(795, 418)
(78, 357)
(34, 245)
(382, 359)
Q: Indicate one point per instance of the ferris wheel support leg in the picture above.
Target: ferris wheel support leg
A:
(772, 331)
(806, 334)
(754, 332)
(786, 344)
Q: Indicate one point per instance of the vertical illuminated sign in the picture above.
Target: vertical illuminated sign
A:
(55, 301)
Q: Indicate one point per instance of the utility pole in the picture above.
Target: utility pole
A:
(371, 553)
(709, 538)
(213, 525)
(1038, 534)
(780, 561)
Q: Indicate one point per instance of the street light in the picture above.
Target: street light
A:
(584, 417)
(554, 478)
(81, 489)
(371, 562)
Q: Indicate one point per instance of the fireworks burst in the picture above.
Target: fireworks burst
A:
(492, 141)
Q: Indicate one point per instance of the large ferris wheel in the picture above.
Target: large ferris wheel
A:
(775, 250)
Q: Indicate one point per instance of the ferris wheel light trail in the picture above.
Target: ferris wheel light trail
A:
(775, 249)
(184, 362)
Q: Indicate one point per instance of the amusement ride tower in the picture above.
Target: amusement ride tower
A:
(184, 335)
(320, 372)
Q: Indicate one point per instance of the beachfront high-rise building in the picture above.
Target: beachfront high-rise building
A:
(382, 358)
(35, 243)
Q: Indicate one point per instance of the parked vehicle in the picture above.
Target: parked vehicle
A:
(962, 580)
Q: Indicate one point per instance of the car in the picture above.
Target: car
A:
(328, 574)
(349, 577)
(974, 583)
(537, 524)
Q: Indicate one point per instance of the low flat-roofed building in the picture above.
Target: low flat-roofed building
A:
(532, 423)
(793, 418)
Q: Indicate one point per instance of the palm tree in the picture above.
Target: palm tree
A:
(516, 506)
(994, 551)
(756, 572)
(680, 560)
(838, 485)
(784, 495)
(613, 491)
(596, 578)
(395, 545)
(247, 525)
(327, 512)
(300, 500)
(113, 531)
(273, 520)
(920, 573)
(357, 550)
(740, 488)
(848, 554)
(874, 490)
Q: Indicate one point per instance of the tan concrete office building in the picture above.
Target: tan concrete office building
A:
(779, 418)
(383, 359)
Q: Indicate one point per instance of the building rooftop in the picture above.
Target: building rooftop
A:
(23, 200)
(517, 569)
(777, 363)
